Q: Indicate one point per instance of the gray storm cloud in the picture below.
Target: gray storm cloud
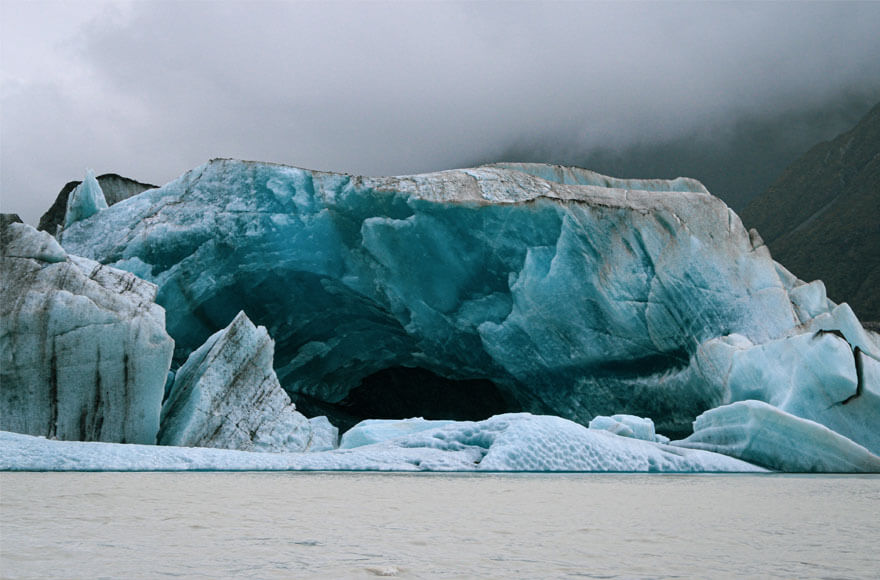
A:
(152, 89)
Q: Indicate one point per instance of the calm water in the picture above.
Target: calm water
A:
(349, 525)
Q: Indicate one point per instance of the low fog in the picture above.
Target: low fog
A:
(151, 89)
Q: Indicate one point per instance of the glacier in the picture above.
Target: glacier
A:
(114, 187)
(546, 297)
(226, 395)
(510, 442)
(83, 347)
(571, 294)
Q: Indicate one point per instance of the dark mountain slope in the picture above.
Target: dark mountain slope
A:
(821, 217)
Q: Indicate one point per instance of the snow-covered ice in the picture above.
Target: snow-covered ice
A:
(628, 426)
(371, 431)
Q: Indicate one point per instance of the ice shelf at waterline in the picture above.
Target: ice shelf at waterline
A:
(761, 433)
(512, 442)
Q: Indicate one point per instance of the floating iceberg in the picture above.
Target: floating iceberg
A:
(570, 293)
(84, 348)
(762, 434)
(513, 442)
(227, 396)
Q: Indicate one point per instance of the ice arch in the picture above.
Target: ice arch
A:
(572, 293)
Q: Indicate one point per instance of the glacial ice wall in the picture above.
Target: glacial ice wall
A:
(575, 295)
(83, 346)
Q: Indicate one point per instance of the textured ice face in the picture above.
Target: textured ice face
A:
(511, 442)
(628, 426)
(227, 396)
(573, 299)
(84, 348)
(377, 430)
(760, 433)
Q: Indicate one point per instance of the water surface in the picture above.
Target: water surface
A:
(362, 525)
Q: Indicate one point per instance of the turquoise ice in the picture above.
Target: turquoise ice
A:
(85, 201)
(572, 299)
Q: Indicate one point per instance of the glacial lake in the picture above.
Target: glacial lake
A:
(365, 525)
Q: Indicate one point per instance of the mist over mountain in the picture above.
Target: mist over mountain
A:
(819, 218)
(699, 89)
(736, 159)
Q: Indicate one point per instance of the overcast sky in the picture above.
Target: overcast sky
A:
(152, 89)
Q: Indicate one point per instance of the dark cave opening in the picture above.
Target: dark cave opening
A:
(403, 392)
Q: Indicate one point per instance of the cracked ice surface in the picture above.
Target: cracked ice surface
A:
(575, 294)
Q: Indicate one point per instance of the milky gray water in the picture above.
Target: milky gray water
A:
(352, 525)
